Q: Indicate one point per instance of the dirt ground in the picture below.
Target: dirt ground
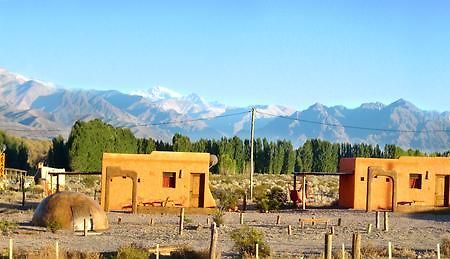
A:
(414, 233)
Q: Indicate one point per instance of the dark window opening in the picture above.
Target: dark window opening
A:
(415, 181)
(388, 180)
(139, 180)
(169, 180)
(362, 179)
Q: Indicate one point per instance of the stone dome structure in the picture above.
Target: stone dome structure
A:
(69, 209)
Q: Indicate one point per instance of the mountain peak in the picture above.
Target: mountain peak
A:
(373, 106)
(158, 93)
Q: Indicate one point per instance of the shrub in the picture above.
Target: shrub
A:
(277, 197)
(132, 252)
(54, 225)
(89, 181)
(245, 240)
(218, 217)
(263, 205)
(228, 199)
(446, 246)
(7, 226)
(189, 253)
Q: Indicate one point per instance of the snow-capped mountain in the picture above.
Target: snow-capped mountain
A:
(34, 108)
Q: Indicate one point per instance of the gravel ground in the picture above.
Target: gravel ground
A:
(419, 232)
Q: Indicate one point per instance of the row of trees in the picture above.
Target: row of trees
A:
(88, 140)
(16, 152)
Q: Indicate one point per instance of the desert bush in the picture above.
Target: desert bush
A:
(371, 251)
(132, 252)
(228, 199)
(245, 240)
(7, 226)
(189, 253)
(218, 217)
(277, 197)
(89, 181)
(445, 246)
(54, 225)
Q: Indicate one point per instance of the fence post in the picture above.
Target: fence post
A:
(11, 248)
(328, 246)
(257, 251)
(180, 230)
(151, 221)
(389, 250)
(57, 250)
(84, 227)
(23, 189)
(289, 230)
(356, 246)
(332, 230)
(438, 250)
(278, 219)
(377, 219)
(369, 228)
(343, 251)
(241, 218)
(157, 251)
(339, 222)
(386, 221)
(213, 244)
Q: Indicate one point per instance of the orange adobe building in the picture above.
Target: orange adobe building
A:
(404, 184)
(158, 179)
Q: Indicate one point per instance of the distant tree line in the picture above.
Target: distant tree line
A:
(88, 140)
(16, 152)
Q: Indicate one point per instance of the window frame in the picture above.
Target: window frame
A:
(415, 181)
(169, 180)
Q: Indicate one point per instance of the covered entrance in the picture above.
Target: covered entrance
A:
(442, 191)
(197, 191)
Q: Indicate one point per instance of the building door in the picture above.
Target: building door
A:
(442, 191)
(382, 197)
(197, 190)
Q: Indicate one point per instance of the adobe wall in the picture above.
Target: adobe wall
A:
(149, 169)
(404, 166)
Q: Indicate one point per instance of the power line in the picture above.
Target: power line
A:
(351, 126)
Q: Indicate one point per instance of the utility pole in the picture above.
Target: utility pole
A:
(252, 167)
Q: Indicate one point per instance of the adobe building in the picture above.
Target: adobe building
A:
(404, 184)
(162, 179)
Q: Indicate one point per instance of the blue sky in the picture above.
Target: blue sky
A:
(293, 53)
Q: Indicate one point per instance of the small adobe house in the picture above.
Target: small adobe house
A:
(404, 184)
(162, 179)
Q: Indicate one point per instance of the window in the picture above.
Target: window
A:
(169, 180)
(362, 179)
(415, 181)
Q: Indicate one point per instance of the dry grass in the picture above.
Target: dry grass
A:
(445, 246)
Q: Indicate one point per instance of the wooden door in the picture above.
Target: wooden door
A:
(440, 191)
(382, 197)
(197, 190)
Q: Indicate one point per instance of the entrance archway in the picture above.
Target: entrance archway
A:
(391, 175)
(114, 171)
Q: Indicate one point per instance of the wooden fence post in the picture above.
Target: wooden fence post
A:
(181, 226)
(356, 246)
(11, 248)
(152, 222)
(377, 220)
(85, 230)
(241, 218)
(256, 251)
(339, 222)
(213, 244)
(438, 250)
(57, 250)
(332, 230)
(278, 219)
(23, 189)
(369, 228)
(389, 250)
(328, 246)
(386, 221)
(157, 251)
(343, 251)
(208, 221)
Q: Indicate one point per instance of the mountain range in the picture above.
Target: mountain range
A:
(37, 109)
